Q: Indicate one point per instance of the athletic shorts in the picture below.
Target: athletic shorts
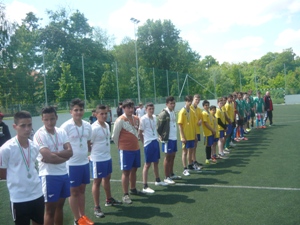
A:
(79, 175)
(216, 140)
(199, 137)
(222, 133)
(130, 159)
(229, 129)
(23, 212)
(101, 169)
(169, 147)
(188, 144)
(240, 122)
(208, 141)
(252, 114)
(151, 152)
(55, 187)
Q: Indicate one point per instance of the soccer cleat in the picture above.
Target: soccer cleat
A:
(112, 202)
(186, 172)
(196, 167)
(88, 221)
(213, 160)
(160, 183)
(134, 192)
(222, 156)
(245, 139)
(98, 212)
(169, 181)
(191, 167)
(198, 164)
(232, 144)
(148, 190)
(80, 221)
(126, 199)
(207, 161)
(237, 140)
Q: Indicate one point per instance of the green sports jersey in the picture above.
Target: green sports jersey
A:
(251, 102)
(240, 107)
(259, 103)
(247, 107)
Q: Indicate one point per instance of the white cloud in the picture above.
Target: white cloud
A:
(16, 11)
(288, 38)
(250, 43)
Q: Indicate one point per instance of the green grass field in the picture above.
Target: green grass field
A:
(258, 184)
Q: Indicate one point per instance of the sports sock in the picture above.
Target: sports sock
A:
(208, 152)
(242, 131)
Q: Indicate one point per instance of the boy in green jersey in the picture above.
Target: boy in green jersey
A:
(259, 110)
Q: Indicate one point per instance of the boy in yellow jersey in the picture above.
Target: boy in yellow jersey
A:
(208, 130)
(229, 108)
(187, 130)
(212, 110)
(220, 115)
(198, 113)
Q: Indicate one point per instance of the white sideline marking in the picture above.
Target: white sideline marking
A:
(227, 186)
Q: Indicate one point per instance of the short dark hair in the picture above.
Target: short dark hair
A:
(170, 99)
(212, 107)
(220, 100)
(76, 101)
(21, 115)
(94, 110)
(230, 96)
(48, 110)
(149, 104)
(100, 107)
(127, 103)
(205, 102)
(188, 98)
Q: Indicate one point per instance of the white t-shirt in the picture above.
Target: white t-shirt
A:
(79, 147)
(140, 112)
(100, 143)
(173, 125)
(55, 143)
(20, 187)
(148, 126)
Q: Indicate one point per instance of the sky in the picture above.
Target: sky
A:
(230, 31)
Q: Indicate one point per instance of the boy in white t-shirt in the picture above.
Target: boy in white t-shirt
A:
(101, 160)
(55, 150)
(140, 111)
(17, 166)
(79, 133)
(148, 136)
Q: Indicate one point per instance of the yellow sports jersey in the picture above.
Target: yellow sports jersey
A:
(220, 114)
(198, 113)
(225, 113)
(217, 135)
(206, 117)
(187, 119)
(230, 110)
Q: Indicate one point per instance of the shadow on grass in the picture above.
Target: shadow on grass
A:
(130, 222)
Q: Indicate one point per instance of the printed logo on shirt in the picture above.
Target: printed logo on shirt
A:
(50, 196)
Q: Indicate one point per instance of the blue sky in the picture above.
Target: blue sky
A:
(232, 30)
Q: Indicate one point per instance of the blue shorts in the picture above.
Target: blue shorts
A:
(216, 139)
(55, 187)
(188, 144)
(208, 141)
(199, 137)
(101, 169)
(79, 175)
(130, 159)
(169, 147)
(229, 129)
(222, 133)
(151, 152)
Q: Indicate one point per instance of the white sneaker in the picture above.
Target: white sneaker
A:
(160, 183)
(232, 144)
(126, 199)
(175, 177)
(168, 180)
(148, 190)
(186, 172)
(196, 167)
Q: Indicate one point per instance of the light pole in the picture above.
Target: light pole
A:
(135, 22)
(45, 85)
(83, 78)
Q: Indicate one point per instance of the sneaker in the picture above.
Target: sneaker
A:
(198, 164)
(248, 129)
(263, 127)
(169, 181)
(222, 156)
(191, 167)
(175, 177)
(160, 183)
(126, 199)
(88, 221)
(148, 190)
(207, 161)
(134, 192)
(245, 139)
(213, 160)
(112, 202)
(237, 140)
(232, 144)
(226, 151)
(98, 213)
(186, 172)
(196, 167)
(80, 221)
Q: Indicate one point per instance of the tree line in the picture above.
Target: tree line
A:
(67, 49)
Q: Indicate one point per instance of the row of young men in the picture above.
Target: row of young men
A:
(63, 166)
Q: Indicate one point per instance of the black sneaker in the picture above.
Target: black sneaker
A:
(134, 192)
(112, 202)
(190, 167)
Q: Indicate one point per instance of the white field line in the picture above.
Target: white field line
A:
(227, 186)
